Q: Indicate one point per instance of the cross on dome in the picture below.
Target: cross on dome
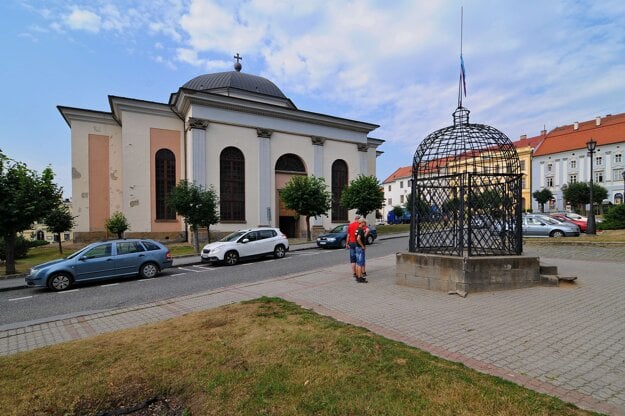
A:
(237, 65)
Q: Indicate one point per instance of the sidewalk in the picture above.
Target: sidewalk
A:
(567, 342)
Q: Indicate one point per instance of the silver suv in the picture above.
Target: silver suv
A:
(249, 243)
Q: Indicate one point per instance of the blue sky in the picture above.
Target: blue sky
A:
(530, 64)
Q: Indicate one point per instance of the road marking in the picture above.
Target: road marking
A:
(67, 291)
(110, 284)
(177, 274)
(22, 298)
(147, 280)
(189, 270)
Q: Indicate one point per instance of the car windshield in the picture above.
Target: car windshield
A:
(549, 220)
(338, 229)
(233, 237)
(79, 252)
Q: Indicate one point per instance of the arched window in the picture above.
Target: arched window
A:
(290, 163)
(165, 163)
(232, 184)
(339, 182)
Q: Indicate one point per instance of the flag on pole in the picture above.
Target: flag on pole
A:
(463, 76)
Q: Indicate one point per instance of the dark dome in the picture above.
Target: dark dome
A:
(237, 80)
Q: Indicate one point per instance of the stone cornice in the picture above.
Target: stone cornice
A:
(183, 100)
(89, 116)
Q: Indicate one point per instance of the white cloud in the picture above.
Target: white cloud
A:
(86, 20)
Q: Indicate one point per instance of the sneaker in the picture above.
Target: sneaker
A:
(364, 274)
(361, 280)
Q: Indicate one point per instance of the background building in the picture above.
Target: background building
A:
(562, 158)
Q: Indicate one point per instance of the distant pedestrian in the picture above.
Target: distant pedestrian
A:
(360, 251)
(352, 228)
(367, 231)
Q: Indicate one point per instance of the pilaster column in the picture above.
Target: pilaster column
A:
(265, 214)
(318, 143)
(196, 149)
(363, 153)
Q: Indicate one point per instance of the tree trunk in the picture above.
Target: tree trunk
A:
(60, 246)
(196, 241)
(9, 240)
(208, 234)
(307, 228)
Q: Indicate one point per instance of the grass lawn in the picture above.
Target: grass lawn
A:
(262, 357)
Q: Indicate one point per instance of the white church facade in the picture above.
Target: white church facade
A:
(235, 131)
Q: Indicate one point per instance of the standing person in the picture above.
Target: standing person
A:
(352, 228)
(366, 228)
(360, 251)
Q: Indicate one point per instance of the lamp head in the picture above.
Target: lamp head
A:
(591, 145)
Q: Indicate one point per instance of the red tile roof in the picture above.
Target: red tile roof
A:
(533, 142)
(561, 139)
(403, 172)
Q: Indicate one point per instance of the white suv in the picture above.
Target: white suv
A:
(253, 242)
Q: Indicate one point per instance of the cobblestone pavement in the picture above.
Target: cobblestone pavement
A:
(566, 341)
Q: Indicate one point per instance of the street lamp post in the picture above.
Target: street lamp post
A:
(590, 227)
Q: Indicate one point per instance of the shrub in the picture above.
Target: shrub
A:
(21, 248)
(614, 219)
(38, 243)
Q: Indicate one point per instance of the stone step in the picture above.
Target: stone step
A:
(548, 269)
(555, 279)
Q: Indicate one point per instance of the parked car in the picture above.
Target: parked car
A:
(536, 225)
(245, 244)
(102, 260)
(337, 237)
(580, 222)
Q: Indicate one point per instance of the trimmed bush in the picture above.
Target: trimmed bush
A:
(614, 219)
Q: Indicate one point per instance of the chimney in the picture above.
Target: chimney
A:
(598, 121)
(523, 137)
(576, 125)
(543, 132)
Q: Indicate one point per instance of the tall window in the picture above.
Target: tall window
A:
(599, 160)
(165, 163)
(618, 158)
(599, 176)
(573, 164)
(339, 182)
(549, 182)
(573, 179)
(232, 185)
(522, 165)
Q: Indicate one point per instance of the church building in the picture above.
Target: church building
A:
(235, 131)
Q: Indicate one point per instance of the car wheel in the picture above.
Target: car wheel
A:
(279, 252)
(231, 258)
(343, 244)
(148, 270)
(556, 233)
(369, 239)
(59, 281)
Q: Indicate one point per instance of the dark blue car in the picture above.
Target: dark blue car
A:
(102, 260)
(337, 237)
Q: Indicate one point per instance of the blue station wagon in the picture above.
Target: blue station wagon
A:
(102, 260)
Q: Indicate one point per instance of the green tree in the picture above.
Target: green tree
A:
(58, 221)
(198, 206)
(542, 197)
(117, 224)
(614, 219)
(578, 193)
(25, 197)
(307, 196)
(364, 194)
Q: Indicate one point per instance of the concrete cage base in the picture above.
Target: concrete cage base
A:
(463, 275)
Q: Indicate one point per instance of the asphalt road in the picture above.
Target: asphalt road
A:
(33, 305)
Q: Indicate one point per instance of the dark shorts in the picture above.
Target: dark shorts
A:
(352, 252)
(360, 256)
